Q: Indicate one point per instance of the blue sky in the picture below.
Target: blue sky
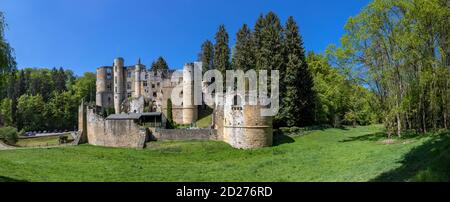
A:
(84, 34)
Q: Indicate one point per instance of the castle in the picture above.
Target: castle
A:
(139, 97)
(130, 89)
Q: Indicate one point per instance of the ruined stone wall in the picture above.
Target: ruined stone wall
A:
(114, 133)
(218, 120)
(82, 124)
(186, 134)
(137, 105)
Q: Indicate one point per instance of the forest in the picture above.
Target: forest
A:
(392, 66)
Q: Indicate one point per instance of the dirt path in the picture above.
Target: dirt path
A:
(4, 146)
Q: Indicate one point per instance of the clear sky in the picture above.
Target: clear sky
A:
(84, 34)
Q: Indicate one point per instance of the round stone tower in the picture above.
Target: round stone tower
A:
(244, 127)
(189, 108)
(137, 79)
(118, 83)
(100, 86)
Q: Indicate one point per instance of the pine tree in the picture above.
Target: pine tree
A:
(169, 114)
(159, 65)
(207, 56)
(243, 55)
(298, 95)
(268, 43)
(222, 50)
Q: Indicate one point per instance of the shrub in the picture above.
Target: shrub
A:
(9, 135)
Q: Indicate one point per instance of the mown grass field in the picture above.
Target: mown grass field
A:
(351, 154)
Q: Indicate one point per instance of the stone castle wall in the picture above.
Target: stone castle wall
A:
(186, 134)
(114, 133)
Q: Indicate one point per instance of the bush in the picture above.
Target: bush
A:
(9, 135)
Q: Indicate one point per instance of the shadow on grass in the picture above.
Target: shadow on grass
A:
(368, 137)
(427, 162)
(204, 112)
(383, 136)
(280, 139)
(8, 179)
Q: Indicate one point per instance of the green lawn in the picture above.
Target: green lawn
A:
(352, 154)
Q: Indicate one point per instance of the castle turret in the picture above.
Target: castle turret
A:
(119, 88)
(189, 108)
(243, 125)
(137, 80)
(101, 86)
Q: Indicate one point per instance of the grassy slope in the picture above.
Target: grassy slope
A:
(204, 122)
(328, 155)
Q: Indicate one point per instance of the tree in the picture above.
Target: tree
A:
(30, 112)
(9, 135)
(297, 94)
(221, 50)
(337, 99)
(59, 79)
(207, 56)
(5, 112)
(268, 41)
(159, 65)
(169, 114)
(400, 50)
(7, 60)
(61, 110)
(85, 87)
(243, 55)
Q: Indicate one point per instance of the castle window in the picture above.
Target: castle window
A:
(115, 89)
(153, 85)
(145, 83)
(108, 73)
(128, 85)
(129, 74)
(157, 84)
(108, 87)
(154, 94)
(236, 100)
(115, 80)
(129, 95)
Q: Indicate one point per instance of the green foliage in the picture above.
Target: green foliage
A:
(243, 54)
(221, 50)
(31, 112)
(207, 56)
(43, 99)
(7, 59)
(85, 87)
(338, 101)
(268, 41)
(297, 85)
(9, 135)
(170, 123)
(159, 65)
(63, 107)
(401, 50)
(5, 112)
